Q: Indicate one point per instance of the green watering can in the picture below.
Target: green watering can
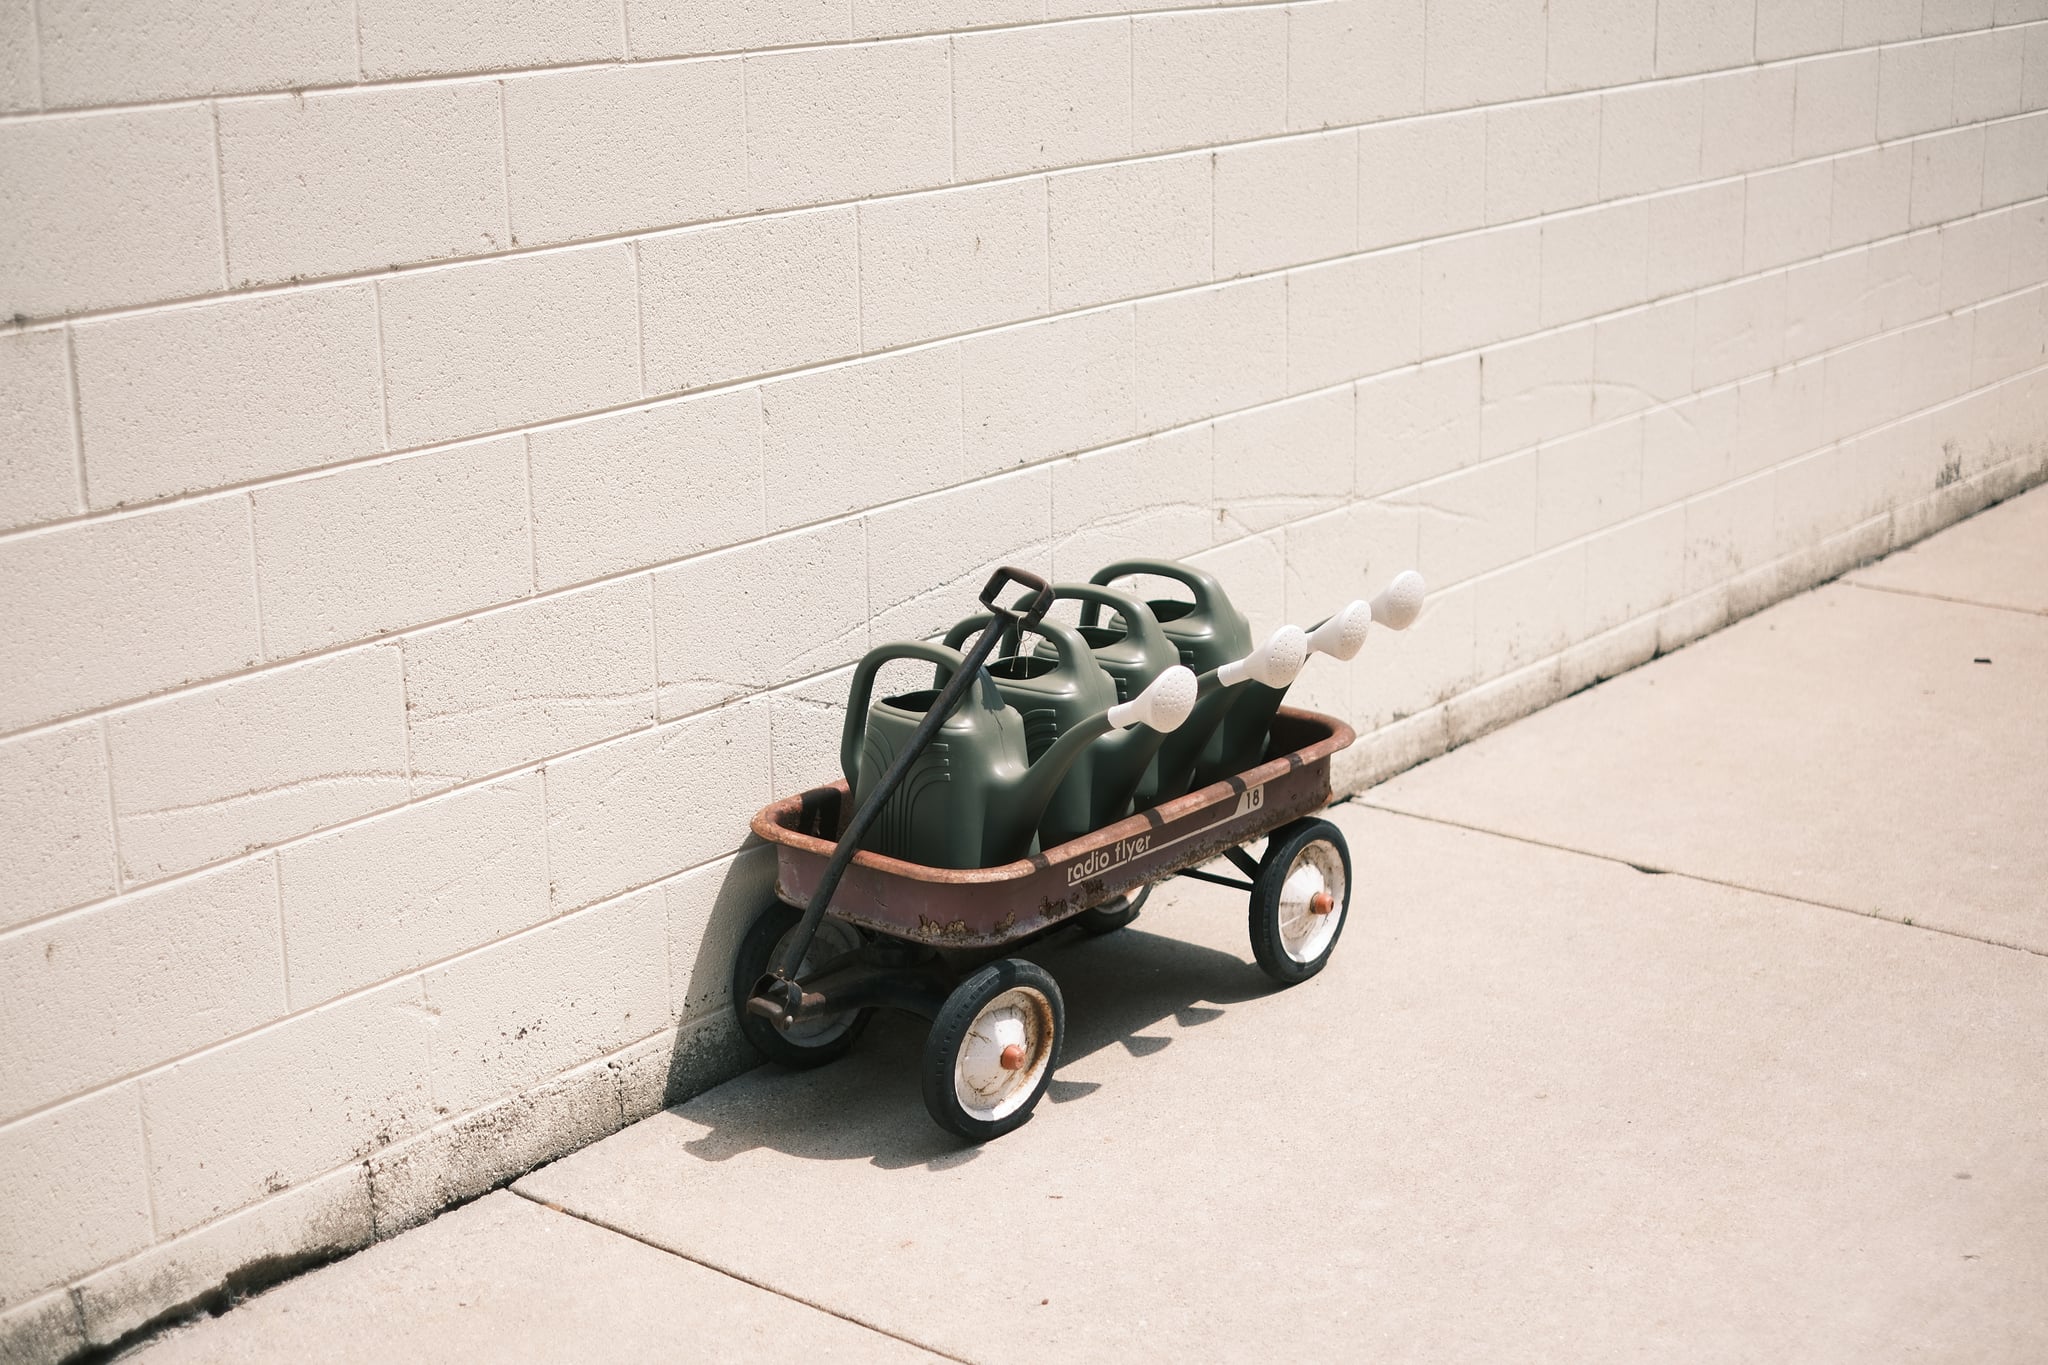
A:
(975, 796)
(1240, 741)
(1073, 674)
(1054, 693)
(1134, 651)
(1209, 632)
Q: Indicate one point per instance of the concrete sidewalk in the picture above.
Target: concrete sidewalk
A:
(1703, 1016)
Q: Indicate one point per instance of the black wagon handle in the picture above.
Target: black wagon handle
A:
(1026, 612)
(780, 983)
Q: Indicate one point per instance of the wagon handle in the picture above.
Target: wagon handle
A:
(780, 984)
(1034, 607)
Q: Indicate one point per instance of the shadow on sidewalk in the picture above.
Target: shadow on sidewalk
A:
(868, 1106)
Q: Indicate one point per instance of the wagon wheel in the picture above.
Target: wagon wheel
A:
(1113, 915)
(811, 1042)
(1299, 900)
(993, 1049)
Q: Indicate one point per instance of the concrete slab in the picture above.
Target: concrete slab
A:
(1540, 1107)
(506, 1280)
(1998, 558)
(1845, 746)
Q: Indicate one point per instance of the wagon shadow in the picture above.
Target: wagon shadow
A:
(1118, 989)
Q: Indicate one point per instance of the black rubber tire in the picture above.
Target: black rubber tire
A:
(756, 954)
(1114, 915)
(1284, 851)
(953, 1028)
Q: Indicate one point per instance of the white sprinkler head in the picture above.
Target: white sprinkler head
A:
(1163, 705)
(1343, 635)
(1400, 602)
(1273, 663)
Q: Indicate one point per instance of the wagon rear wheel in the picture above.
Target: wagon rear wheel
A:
(993, 1048)
(1299, 900)
(1113, 915)
(812, 1042)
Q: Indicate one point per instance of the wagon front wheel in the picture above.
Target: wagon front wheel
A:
(812, 1042)
(1299, 900)
(993, 1048)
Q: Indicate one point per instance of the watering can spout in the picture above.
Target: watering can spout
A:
(1273, 663)
(1398, 604)
(1161, 706)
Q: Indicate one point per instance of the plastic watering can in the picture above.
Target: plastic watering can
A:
(1239, 742)
(1209, 631)
(1135, 650)
(1056, 689)
(1218, 692)
(1065, 681)
(974, 797)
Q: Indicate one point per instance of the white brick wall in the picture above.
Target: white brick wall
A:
(450, 454)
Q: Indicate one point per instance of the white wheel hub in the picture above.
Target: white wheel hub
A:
(1312, 902)
(1006, 1051)
(835, 939)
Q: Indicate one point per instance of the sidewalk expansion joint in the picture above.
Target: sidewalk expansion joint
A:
(743, 1279)
(1696, 877)
(1939, 597)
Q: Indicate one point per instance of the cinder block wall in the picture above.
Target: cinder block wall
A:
(451, 452)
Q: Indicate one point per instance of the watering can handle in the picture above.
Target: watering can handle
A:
(1204, 586)
(1138, 619)
(855, 730)
(1033, 607)
(965, 627)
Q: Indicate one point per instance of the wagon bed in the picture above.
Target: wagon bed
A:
(992, 906)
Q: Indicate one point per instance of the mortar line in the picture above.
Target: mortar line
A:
(148, 1166)
(284, 951)
(860, 304)
(248, 501)
(532, 538)
(220, 197)
(653, 657)
(639, 321)
(77, 418)
(613, 1228)
(505, 166)
(547, 853)
(355, 14)
(113, 818)
(1939, 597)
(412, 785)
(35, 48)
(383, 371)
(1361, 799)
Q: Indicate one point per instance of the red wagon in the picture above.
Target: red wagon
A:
(933, 941)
